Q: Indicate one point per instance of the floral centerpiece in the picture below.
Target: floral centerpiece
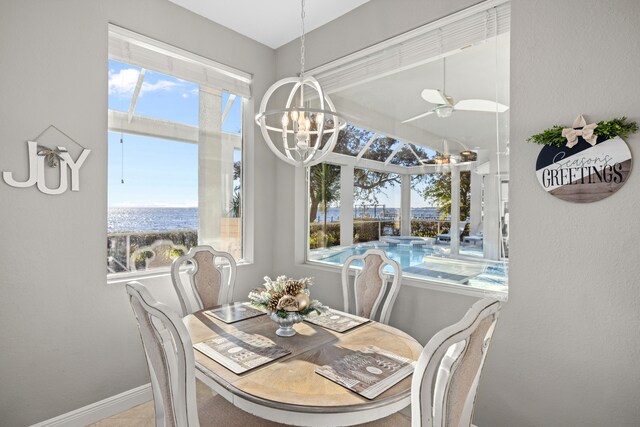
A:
(287, 301)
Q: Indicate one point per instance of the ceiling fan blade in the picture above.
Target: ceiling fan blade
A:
(434, 96)
(481, 105)
(419, 116)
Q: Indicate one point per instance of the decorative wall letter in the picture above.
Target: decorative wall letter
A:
(37, 167)
(33, 169)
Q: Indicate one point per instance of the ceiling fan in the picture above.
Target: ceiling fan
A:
(445, 105)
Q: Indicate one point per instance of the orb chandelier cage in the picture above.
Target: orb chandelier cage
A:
(301, 129)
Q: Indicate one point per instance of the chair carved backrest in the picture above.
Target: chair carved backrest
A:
(453, 360)
(371, 284)
(206, 284)
(169, 353)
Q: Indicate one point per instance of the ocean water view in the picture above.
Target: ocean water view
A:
(151, 219)
(163, 219)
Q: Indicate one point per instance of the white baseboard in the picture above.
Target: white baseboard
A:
(102, 409)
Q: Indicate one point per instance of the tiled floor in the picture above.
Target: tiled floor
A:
(215, 411)
(138, 416)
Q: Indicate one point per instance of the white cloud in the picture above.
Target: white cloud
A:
(158, 86)
(123, 83)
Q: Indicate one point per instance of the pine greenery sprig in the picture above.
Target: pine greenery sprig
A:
(551, 136)
(616, 127)
(609, 129)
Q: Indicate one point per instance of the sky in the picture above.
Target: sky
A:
(156, 172)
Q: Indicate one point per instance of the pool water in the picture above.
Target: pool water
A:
(430, 262)
(405, 255)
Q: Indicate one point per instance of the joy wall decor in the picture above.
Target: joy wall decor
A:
(55, 158)
(585, 162)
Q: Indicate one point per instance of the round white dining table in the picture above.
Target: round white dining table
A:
(288, 390)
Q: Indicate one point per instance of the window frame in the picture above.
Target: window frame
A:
(234, 81)
(396, 52)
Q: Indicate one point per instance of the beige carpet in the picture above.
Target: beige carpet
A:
(214, 410)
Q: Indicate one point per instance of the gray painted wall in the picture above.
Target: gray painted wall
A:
(68, 339)
(566, 349)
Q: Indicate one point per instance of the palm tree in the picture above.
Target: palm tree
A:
(324, 188)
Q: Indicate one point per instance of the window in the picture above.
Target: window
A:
(428, 163)
(175, 163)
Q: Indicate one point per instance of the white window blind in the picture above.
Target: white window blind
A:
(425, 44)
(133, 48)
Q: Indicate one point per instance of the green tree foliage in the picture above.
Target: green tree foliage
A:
(235, 211)
(438, 189)
(368, 183)
(324, 189)
(236, 200)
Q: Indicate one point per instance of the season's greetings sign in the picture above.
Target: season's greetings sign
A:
(587, 171)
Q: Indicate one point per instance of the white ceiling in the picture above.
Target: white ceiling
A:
(384, 103)
(273, 23)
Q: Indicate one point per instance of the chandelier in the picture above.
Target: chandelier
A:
(444, 158)
(307, 127)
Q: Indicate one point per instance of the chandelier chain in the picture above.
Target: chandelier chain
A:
(302, 129)
(302, 15)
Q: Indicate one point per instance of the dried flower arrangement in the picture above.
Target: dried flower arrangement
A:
(284, 295)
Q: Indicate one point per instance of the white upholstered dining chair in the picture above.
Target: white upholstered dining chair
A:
(371, 284)
(445, 380)
(167, 346)
(170, 358)
(208, 283)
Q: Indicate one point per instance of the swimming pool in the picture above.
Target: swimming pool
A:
(432, 263)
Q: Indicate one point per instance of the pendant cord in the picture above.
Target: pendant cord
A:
(444, 62)
(121, 154)
(58, 129)
(444, 76)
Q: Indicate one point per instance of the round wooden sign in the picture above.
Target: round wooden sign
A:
(584, 173)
